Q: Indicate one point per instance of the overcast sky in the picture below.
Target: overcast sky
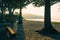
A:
(55, 11)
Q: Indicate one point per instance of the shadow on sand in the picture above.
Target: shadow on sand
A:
(49, 33)
(20, 32)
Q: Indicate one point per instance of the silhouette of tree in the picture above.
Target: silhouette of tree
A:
(13, 4)
(47, 20)
(22, 3)
(48, 28)
(2, 9)
(38, 3)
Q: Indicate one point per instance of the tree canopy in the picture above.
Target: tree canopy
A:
(15, 3)
(39, 3)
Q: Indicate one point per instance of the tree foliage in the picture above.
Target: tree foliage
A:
(39, 3)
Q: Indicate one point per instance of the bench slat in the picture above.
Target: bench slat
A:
(10, 30)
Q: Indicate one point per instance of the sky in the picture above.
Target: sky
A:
(55, 11)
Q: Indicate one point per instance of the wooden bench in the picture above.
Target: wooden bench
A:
(11, 31)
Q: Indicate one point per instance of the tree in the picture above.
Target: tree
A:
(13, 4)
(1, 9)
(48, 28)
(47, 20)
(4, 5)
(22, 3)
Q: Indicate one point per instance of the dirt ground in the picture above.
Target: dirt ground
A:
(31, 26)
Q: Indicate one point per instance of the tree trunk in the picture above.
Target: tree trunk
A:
(48, 28)
(47, 19)
(12, 11)
(20, 16)
(12, 18)
(2, 12)
(10, 14)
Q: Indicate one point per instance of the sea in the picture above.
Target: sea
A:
(42, 20)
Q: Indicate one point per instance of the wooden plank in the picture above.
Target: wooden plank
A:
(11, 31)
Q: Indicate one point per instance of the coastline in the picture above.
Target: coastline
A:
(42, 20)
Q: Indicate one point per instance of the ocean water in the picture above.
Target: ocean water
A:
(36, 20)
(42, 20)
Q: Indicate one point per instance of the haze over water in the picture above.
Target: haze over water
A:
(39, 11)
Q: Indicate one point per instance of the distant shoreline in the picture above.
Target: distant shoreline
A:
(42, 20)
